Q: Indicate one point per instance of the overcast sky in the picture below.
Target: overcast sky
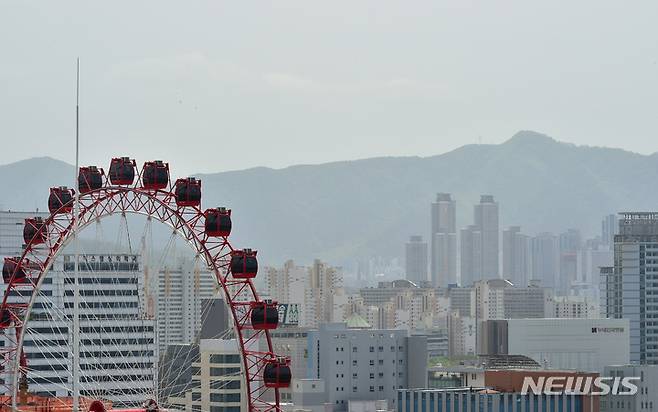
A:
(217, 85)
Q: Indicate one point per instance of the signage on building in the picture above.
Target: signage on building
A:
(288, 313)
(607, 330)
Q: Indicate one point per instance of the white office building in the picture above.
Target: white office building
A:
(118, 350)
(568, 344)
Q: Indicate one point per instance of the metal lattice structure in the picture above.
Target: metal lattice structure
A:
(167, 203)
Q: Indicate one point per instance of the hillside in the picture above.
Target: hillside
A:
(342, 210)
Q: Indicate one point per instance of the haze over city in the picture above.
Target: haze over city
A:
(294, 206)
(293, 83)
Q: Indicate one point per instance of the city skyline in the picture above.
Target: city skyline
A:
(342, 206)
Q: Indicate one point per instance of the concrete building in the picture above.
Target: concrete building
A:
(443, 241)
(462, 301)
(317, 290)
(365, 364)
(646, 398)
(462, 335)
(400, 304)
(117, 340)
(576, 307)
(516, 256)
(567, 344)
(608, 230)
(309, 395)
(216, 380)
(545, 259)
(287, 284)
(291, 342)
(415, 259)
(178, 297)
(500, 299)
(590, 261)
(570, 243)
(479, 253)
(629, 289)
(532, 301)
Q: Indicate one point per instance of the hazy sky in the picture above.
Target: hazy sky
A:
(217, 85)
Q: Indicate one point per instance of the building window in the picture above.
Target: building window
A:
(354, 349)
(372, 349)
(372, 362)
(372, 389)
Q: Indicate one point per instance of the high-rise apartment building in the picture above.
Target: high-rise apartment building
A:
(583, 307)
(480, 246)
(286, 284)
(486, 219)
(630, 287)
(570, 243)
(416, 259)
(516, 256)
(608, 230)
(178, 298)
(443, 241)
(317, 290)
(400, 304)
(469, 243)
(500, 299)
(545, 259)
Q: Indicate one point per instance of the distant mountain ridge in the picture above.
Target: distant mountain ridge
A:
(344, 210)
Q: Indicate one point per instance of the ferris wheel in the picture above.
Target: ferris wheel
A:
(84, 323)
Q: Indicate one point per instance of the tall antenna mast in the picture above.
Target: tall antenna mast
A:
(76, 212)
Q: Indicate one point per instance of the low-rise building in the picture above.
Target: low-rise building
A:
(365, 364)
(569, 344)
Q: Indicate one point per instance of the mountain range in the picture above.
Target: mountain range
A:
(343, 211)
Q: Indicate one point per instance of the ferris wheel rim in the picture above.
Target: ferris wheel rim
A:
(177, 222)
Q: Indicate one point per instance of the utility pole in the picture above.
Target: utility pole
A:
(76, 292)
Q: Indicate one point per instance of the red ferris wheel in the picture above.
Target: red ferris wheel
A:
(148, 191)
